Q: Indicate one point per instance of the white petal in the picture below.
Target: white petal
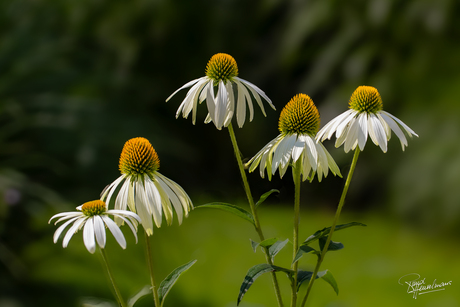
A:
(88, 236)
(241, 106)
(282, 152)
(259, 91)
(153, 198)
(328, 130)
(409, 130)
(221, 105)
(211, 100)
(188, 84)
(72, 230)
(312, 155)
(230, 104)
(99, 230)
(184, 199)
(299, 147)
(394, 126)
(362, 131)
(111, 189)
(64, 216)
(130, 224)
(343, 126)
(143, 210)
(171, 195)
(115, 231)
(377, 132)
(58, 231)
(351, 139)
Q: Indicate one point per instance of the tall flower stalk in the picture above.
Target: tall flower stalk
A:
(364, 118)
(298, 125)
(252, 206)
(233, 96)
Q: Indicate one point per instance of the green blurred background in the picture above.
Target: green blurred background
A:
(79, 78)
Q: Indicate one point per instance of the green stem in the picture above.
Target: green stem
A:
(148, 252)
(118, 296)
(334, 223)
(297, 182)
(254, 211)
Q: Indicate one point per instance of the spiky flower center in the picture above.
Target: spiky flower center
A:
(94, 207)
(299, 116)
(138, 157)
(221, 67)
(366, 99)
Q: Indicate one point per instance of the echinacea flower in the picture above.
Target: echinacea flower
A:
(298, 124)
(221, 72)
(93, 217)
(143, 189)
(365, 117)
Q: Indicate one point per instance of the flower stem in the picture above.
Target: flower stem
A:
(334, 223)
(254, 211)
(295, 241)
(115, 288)
(148, 253)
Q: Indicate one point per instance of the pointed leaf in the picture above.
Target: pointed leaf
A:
(303, 249)
(276, 247)
(333, 246)
(305, 276)
(264, 196)
(255, 272)
(230, 208)
(325, 231)
(171, 279)
(268, 242)
(144, 291)
(327, 277)
(254, 245)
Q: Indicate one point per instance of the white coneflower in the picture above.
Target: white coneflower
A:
(143, 189)
(298, 124)
(365, 117)
(222, 72)
(93, 217)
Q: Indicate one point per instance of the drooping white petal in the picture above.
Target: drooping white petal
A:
(88, 236)
(143, 210)
(394, 126)
(61, 228)
(242, 88)
(299, 147)
(115, 231)
(323, 167)
(258, 90)
(72, 230)
(99, 230)
(154, 201)
(130, 224)
(221, 105)
(171, 195)
(408, 130)
(111, 189)
(312, 155)
(328, 130)
(188, 84)
(283, 152)
(211, 101)
(351, 139)
(64, 216)
(362, 130)
(344, 125)
(184, 199)
(122, 198)
(330, 161)
(230, 104)
(378, 132)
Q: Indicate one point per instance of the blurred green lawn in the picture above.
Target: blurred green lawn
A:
(367, 269)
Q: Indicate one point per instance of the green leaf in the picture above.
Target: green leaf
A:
(264, 243)
(303, 276)
(333, 246)
(144, 291)
(268, 242)
(255, 272)
(230, 208)
(303, 249)
(327, 277)
(264, 196)
(276, 247)
(254, 245)
(171, 279)
(325, 231)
